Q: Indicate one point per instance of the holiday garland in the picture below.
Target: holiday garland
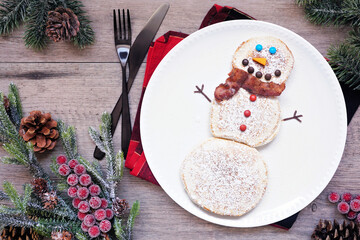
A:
(344, 57)
(83, 204)
(47, 20)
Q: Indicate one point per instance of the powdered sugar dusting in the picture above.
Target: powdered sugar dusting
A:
(225, 177)
(227, 117)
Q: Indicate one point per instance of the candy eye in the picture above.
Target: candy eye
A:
(259, 47)
(272, 50)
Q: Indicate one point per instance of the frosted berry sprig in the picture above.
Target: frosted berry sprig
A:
(347, 204)
(93, 211)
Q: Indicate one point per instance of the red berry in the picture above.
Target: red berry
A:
(61, 159)
(72, 179)
(82, 193)
(94, 231)
(89, 220)
(357, 196)
(83, 207)
(343, 207)
(72, 163)
(75, 202)
(355, 205)
(72, 192)
(109, 214)
(64, 170)
(334, 197)
(351, 215)
(252, 97)
(105, 226)
(85, 180)
(94, 190)
(95, 202)
(346, 197)
(100, 214)
(84, 227)
(81, 216)
(243, 127)
(79, 169)
(104, 203)
(247, 113)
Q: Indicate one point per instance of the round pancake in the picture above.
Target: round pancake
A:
(261, 126)
(224, 177)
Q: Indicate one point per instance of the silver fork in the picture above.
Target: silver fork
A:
(122, 37)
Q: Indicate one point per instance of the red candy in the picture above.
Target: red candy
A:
(351, 215)
(61, 159)
(243, 128)
(355, 205)
(343, 207)
(105, 226)
(252, 97)
(334, 197)
(247, 113)
(72, 163)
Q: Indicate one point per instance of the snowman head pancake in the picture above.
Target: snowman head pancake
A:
(261, 65)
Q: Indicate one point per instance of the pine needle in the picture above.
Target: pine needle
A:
(12, 14)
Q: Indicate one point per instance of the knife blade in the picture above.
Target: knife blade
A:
(137, 54)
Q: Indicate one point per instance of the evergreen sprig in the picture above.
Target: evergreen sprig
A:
(343, 57)
(34, 14)
(124, 232)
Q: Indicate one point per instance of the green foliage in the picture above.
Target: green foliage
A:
(15, 105)
(68, 139)
(344, 57)
(12, 13)
(34, 14)
(16, 221)
(124, 232)
(3, 196)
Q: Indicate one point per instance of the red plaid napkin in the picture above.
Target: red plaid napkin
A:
(135, 159)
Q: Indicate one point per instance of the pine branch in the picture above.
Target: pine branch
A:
(12, 14)
(344, 59)
(81, 236)
(16, 221)
(134, 212)
(95, 136)
(37, 14)
(119, 230)
(68, 139)
(15, 105)
(8, 210)
(86, 35)
(3, 196)
(354, 37)
(10, 190)
(37, 209)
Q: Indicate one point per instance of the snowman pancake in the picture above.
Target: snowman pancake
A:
(260, 68)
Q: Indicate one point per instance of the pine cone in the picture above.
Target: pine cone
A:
(49, 200)
(19, 233)
(39, 186)
(120, 206)
(40, 130)
(61, 235)
(62, 24)
(326, 230)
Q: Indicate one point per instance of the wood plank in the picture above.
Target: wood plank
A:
(184, 16)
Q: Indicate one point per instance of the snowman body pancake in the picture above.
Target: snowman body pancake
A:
(245, 113)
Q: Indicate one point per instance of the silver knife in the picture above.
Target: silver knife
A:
(137, 54)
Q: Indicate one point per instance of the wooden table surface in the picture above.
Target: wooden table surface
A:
(77, 86)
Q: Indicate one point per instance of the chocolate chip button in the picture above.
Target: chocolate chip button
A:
(258, 74)
(277, 73)
(268, 76)
(251, 70)
(245, 62)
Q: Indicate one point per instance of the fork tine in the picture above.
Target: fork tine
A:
(129, 25)
(124, 28)
(115, 27)
(119, 16)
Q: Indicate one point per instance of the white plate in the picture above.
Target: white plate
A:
(302, 158)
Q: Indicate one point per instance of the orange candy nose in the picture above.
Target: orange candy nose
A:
(262, 61)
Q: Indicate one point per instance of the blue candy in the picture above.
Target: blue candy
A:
(272, 50)
(259, 47)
